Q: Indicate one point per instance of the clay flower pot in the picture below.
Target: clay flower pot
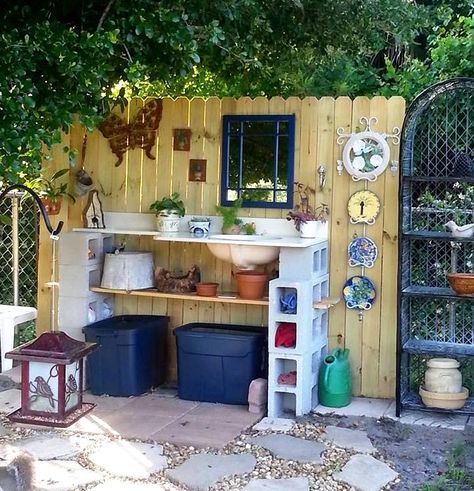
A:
(251, 285)
(462, 283)
(206, 289)
(444, 400)
(52, 207)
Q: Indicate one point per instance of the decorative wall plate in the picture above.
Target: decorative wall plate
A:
(363, 207)
(359, 293)
(366, 155)
(362, 251)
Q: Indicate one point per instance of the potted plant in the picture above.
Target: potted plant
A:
(306, 217)
(199, 226)
(168, 210)
(231, 223)
(51, 191)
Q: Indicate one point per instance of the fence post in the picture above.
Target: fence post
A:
(15, 248)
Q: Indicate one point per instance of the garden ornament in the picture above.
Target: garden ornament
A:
(466, 231)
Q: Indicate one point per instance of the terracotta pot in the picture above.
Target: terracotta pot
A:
(443, 375)
(251, 285)
(233, 230)
(207, 289)
(444, 400)
(462, 283)
(52, 207)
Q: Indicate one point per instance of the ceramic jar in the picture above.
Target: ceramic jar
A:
(443, 375)
(167, 221)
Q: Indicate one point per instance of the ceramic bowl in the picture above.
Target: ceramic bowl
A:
(444, 400)
(206, 289)
(462, 283)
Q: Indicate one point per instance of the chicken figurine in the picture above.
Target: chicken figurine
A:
(465, 231)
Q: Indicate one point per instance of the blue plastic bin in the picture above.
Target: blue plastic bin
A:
(131, 357)
(216, 363)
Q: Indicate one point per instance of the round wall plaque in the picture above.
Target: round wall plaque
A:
(363, 207)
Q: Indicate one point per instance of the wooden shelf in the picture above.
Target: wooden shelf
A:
(225, 298)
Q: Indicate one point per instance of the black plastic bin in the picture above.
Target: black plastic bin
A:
(131, 357)
(216, 363)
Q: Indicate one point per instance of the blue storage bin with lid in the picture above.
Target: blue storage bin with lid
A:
(131, 357)
(217, 362)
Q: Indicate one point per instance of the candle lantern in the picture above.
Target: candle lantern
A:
(51, 380)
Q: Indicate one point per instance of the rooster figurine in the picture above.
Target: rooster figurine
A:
(466, 231)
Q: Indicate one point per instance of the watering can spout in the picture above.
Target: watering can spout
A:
(335, 380)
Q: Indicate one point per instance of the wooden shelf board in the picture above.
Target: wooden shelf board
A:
(182, 296)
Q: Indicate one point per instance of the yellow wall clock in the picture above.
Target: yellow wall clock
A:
(363, 207)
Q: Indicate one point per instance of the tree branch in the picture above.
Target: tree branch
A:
(104, 15)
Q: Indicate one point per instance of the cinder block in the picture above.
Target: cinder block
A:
(84, 249)
(75, 281)
(74, 313)
(305, 394)
(305, 264)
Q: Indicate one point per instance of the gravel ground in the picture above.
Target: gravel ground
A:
(417, 453)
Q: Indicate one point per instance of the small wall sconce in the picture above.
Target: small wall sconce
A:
(197, 170)
(182, 139)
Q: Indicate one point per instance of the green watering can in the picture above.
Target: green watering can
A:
(335, 381)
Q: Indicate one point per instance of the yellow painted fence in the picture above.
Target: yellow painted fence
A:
(139, 181)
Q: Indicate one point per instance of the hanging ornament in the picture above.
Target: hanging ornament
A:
(363, 207)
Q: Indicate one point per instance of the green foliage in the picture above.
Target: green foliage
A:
(173, 202)
(229, 213)
(51, 188)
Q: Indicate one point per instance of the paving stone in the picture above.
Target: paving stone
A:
(49, 447)
(350, 439)
(469, 428)
(3, 430)
(274, 424)
(365, 473)
(201, 471)
(115, 485)
(294, 483)
(438, 420)
(10, 400)
(359, 406)
(62, 475)
(291, 448)
(129, 459)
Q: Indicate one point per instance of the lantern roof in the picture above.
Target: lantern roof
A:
(52, 347)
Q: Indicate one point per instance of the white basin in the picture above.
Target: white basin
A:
(246, 238)
(244, 256)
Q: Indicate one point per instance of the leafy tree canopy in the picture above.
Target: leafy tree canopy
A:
(77, 57)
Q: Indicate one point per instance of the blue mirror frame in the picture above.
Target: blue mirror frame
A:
(282, 126)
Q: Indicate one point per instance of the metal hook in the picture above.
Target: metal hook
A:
(322, 176)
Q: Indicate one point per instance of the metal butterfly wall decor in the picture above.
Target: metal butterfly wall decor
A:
(139, 133)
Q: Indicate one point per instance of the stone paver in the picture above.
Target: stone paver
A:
(294, 483)
(129, 459)
(360, 406)
(49, 447)
(350, 439)
(291, 448)
(201, 471)
(281, 425)
(450, 421)
(62, 475)
(10, 400)
(115, 485)
(365, 473)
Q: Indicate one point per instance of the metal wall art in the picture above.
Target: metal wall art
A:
(182, 139)
(93, 215)
(363, 207)
(366, 155)
(139, 133)
(359, 293)
(362, 251)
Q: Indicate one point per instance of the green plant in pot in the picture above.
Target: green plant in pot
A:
(168, 210)
(231, 223)
(52, 191)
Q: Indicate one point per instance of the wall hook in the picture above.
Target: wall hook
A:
(322, 176)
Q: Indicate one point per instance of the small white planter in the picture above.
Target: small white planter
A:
(167, 222)
(199, 228)
(309, 230)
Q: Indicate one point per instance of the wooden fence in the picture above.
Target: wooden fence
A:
(139, 181)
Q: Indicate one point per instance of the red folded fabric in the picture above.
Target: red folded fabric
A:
(286, 335)
(287, 378)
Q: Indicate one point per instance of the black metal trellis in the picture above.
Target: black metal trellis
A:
(436, 185)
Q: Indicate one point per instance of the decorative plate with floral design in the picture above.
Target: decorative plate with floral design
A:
(363, 207)
(366, 155)
(362, 251)
(359, 293)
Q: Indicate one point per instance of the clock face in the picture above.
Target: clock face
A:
(363, 207)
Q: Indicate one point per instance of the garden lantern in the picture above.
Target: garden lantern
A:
(51, 380)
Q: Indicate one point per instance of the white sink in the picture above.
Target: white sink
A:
(244, 256)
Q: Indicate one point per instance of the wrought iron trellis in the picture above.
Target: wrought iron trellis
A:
(436, 186)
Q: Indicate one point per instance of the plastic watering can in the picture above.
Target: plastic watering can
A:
(335, 380)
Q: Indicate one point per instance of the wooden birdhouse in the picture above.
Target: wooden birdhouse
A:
(52, 369)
